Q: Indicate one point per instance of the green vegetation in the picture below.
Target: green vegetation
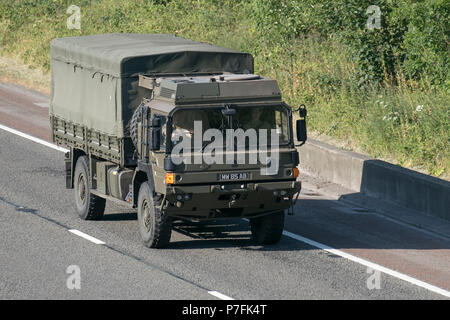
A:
(383, 91)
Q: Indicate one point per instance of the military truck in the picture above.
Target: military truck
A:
(117, 100)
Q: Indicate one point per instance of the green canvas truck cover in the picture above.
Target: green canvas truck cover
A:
(95, 78)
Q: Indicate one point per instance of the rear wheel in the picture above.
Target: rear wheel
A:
(267, 229)
(87, 205)
(154, 226)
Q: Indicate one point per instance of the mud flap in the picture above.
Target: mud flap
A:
(298, 185)
(68, 170)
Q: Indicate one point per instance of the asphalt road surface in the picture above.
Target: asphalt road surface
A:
(330, 250)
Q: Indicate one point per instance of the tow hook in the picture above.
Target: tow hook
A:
(233, 199)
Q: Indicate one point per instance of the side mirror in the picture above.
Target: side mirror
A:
(301, 125)
(154, 133)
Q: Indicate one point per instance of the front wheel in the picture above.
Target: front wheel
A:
(267, 229)
(154, 226)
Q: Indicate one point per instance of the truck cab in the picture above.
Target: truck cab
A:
(206, 142)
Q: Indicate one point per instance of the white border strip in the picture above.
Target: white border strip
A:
(368, 264)
(219, 295)
(32, 138)
(86, 236)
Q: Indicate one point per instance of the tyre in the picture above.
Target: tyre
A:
(135, 119)
(267, 229)
(154, 226)
(88, 206)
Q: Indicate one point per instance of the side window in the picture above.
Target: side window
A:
(163, 129)
(282, 125)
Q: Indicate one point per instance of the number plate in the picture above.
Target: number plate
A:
(233, 176)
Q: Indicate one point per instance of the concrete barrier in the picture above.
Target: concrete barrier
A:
(376, 178)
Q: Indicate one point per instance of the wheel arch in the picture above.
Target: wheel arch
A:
(141, 176)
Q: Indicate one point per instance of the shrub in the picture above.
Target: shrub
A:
(412, 38)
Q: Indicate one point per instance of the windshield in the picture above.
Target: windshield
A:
(245, 118)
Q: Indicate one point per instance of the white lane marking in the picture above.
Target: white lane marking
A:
(86, 236)
(286, 233)
(219, 295)
(368, 264)
(34, 139)
(44, 105)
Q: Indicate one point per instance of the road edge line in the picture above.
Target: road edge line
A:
(369, 264)
(33, 138)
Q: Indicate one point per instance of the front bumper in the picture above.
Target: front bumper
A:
(229, 200)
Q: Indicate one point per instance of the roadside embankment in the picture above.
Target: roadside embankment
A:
(377, 179)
